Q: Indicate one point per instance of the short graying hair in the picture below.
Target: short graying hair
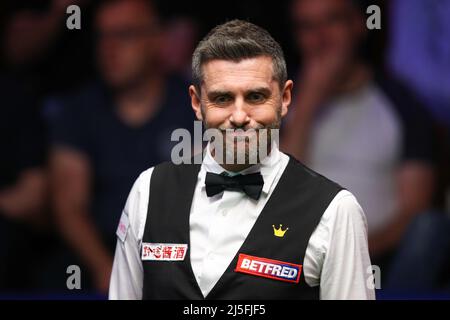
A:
(237, 40)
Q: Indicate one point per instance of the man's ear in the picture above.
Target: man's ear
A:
(286, 96)
(196, 102)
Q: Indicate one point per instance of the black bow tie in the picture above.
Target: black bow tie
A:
(251, 184)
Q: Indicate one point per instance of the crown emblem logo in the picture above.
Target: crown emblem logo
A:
(278, 232)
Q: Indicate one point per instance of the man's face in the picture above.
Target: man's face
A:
(128, 42)
(240, 95)
(327, 26)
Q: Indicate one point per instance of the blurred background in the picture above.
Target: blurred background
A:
(83, 112)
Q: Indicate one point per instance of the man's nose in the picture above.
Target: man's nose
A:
(239, 116)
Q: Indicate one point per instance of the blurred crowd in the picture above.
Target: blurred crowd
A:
(83, 112)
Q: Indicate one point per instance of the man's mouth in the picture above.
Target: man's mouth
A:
(240, 135)
(247, 132)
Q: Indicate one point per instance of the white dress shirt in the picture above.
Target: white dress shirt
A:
(336, 257)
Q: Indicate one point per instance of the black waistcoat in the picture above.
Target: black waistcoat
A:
(297, 202)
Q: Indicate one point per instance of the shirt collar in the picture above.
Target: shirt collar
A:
(268, 167)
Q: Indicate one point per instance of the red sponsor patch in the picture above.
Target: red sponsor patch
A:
(163, 251)
(268, 268)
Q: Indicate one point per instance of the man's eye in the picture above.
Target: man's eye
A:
(256, 97)
(222, 99)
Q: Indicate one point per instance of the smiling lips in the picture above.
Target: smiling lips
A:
(241, 136)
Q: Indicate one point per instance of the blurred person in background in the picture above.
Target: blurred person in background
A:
(113, 129)
(426, 247)
(32, 34)
(360, 128)
(419, 54)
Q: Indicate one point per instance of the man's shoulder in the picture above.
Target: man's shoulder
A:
(299, 168)
(142, 183)
(146, 174)
(169, 171)
(345, 200)
(166, 168)
(345, 212)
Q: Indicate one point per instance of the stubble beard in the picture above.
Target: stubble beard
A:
(244, 146)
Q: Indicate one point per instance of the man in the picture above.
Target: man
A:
(112, 130)
(271, 230)
(362, 130)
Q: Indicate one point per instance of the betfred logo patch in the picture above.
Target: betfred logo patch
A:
(164, 251)
(268, 268)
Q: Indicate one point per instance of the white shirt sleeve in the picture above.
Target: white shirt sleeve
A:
(127, 273)
(337, 256)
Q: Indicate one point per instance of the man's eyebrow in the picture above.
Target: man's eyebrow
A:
(216, 93)
(264, 90)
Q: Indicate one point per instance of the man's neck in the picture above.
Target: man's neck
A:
(138, 103)
(236, 167)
